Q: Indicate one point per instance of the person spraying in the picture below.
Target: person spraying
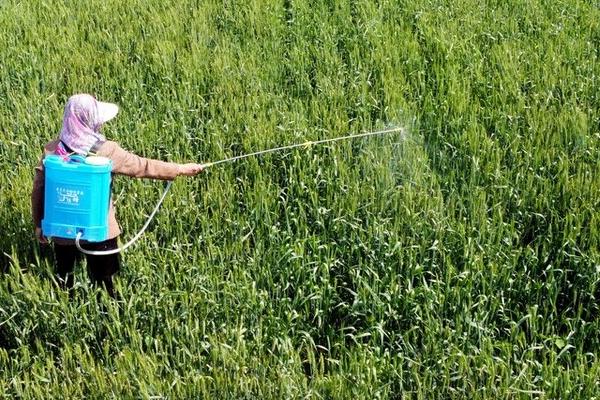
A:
(80, 135)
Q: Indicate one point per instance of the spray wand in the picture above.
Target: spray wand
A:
(227, 160)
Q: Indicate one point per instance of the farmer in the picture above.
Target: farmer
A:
(83, 118)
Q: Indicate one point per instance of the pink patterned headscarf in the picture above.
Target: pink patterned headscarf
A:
(82, 120)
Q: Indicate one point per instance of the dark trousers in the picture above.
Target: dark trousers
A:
(100, 268)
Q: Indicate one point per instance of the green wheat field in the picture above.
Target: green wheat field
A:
(458, 258)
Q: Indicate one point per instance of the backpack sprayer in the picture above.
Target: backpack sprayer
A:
(77, 194)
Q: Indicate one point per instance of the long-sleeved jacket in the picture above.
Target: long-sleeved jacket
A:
(124, 163)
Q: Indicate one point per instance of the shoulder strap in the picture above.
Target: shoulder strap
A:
(96, 146)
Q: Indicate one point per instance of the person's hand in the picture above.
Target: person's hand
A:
(40, 236)
(190, 169)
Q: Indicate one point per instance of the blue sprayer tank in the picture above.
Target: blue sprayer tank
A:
(76, 197)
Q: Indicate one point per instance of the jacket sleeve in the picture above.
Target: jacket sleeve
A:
(126, 163)
(37, 196)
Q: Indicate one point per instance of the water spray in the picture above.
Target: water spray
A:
(224, 161)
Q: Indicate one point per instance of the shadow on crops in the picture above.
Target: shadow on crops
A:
(38, 315)
(29, 257)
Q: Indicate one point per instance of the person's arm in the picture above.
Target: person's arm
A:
(127, 163)
(37, 202)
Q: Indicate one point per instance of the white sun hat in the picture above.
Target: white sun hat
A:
(107, 111)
